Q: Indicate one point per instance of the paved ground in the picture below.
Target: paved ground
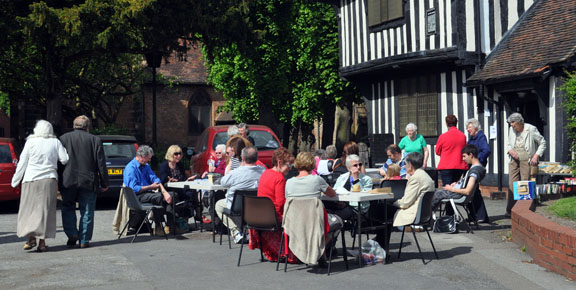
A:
(484, 260)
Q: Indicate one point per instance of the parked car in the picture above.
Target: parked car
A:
(119, 150)
(9, 152)
(265, 139)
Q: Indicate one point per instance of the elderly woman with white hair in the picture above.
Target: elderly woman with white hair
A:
(525, 147)
(414, 142)
(478, 139)
(37, 172)
(346, 181)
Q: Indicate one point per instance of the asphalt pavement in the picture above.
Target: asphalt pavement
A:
(483, 260)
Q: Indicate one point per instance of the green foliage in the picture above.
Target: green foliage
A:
(564, 208)
(287, 67)
(110, 130)
(569, 89)
(5, 103)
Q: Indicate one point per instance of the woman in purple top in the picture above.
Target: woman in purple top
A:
(478, 139)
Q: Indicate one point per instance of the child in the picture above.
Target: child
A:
(393, 172)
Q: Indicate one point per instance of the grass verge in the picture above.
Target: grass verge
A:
(564, 208)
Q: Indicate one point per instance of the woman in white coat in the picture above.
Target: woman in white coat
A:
(37, 171)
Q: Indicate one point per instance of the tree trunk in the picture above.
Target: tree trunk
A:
(328, 125)
(342, 121)
(54, 112)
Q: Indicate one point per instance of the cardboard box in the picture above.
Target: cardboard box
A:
(524, 190)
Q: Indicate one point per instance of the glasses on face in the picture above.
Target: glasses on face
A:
(357, 165)
(177, 153)
(218, 152)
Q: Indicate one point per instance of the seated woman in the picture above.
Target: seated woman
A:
(217, 163)
(234, 147)
(172, 170)
(306, 185)
(272, 184)
(347, 181)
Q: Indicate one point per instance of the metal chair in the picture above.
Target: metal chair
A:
(134, 204)
(423, 217)
(466, 202)
(259, 214)
(236, 210)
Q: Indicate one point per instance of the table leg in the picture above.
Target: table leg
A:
(359, 233)
(387, 246)
(212, 214)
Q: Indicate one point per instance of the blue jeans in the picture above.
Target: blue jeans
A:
(86, 202)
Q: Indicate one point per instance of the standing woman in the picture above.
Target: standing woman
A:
(37, 172)
(478, 139)
(449, 148)
(414, 142)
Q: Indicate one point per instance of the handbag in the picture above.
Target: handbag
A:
(448, 224)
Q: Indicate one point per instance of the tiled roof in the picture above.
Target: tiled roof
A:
(544, 36)
(188, 71)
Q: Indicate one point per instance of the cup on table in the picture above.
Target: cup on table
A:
(210, 179)
(356, 188)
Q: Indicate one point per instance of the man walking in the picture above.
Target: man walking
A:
(84, 176)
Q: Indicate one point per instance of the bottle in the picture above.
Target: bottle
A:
(211, 162)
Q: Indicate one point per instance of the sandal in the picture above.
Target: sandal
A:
(29, 245)
(206, 220)
(42, 249)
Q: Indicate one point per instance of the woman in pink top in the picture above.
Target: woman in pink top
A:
(449, 148)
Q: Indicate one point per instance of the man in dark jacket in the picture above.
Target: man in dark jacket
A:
(84, 176)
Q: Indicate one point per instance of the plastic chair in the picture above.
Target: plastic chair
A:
(134, 204)
(423, 217)
(259, 214)
(466, 202)
(398, 187)
(236, 210)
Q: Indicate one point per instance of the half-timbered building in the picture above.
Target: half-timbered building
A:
(420, 60)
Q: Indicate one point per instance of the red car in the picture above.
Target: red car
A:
(265, 139)
(8, 163)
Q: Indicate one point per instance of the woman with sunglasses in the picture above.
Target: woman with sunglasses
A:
(217, 163)
(172, 170)
(353, 180)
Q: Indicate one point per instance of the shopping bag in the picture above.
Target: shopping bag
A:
(373, 253)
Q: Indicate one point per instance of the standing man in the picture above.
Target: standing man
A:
(84, 176)
(245, 132)
(525, 147)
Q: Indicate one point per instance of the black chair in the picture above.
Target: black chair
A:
(398, 187)
(433, 172)
(134, 204)
(466, 202)
(423, 217)
(259, 214)
(236, 210)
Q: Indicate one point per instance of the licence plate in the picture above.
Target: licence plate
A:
(115, 171)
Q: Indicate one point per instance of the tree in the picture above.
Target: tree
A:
(287, 74)
(569, 89)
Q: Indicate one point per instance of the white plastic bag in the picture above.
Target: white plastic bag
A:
(373, 253)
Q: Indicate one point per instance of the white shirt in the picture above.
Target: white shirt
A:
(39, 160)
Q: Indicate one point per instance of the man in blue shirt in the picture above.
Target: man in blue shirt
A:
(148, 187)
(395, 156)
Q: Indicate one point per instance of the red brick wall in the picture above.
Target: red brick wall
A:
(551, 245)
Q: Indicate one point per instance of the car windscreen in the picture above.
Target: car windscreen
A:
(119, 150)
(5, 155)
(263, 140)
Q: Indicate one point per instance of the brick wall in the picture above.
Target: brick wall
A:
(550, 245)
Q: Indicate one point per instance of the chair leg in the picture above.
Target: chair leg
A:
(241, 248)
(418, 245)
(465, 222)
(280, 251)
(286, 259)
(333, 244)
(260, 245)
(123, 229)
(401, 241)
(344, 251)
(229, 232)
(138, 231)
(432, 243)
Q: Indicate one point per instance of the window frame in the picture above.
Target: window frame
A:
(384, 24)
(414, 90)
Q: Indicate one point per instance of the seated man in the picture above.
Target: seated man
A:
(148, 188)
(468, 181)
(245, 177)
(395, 156)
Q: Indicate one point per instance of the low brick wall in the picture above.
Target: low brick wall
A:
(550, 245)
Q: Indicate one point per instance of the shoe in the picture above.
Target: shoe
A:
(29, 245)
(72, 242)
(42, 249)
(85, 245)
(507, 215)
(167, 230)
(206, 220)
(238, 239)
(131, 231)
(322, 263)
